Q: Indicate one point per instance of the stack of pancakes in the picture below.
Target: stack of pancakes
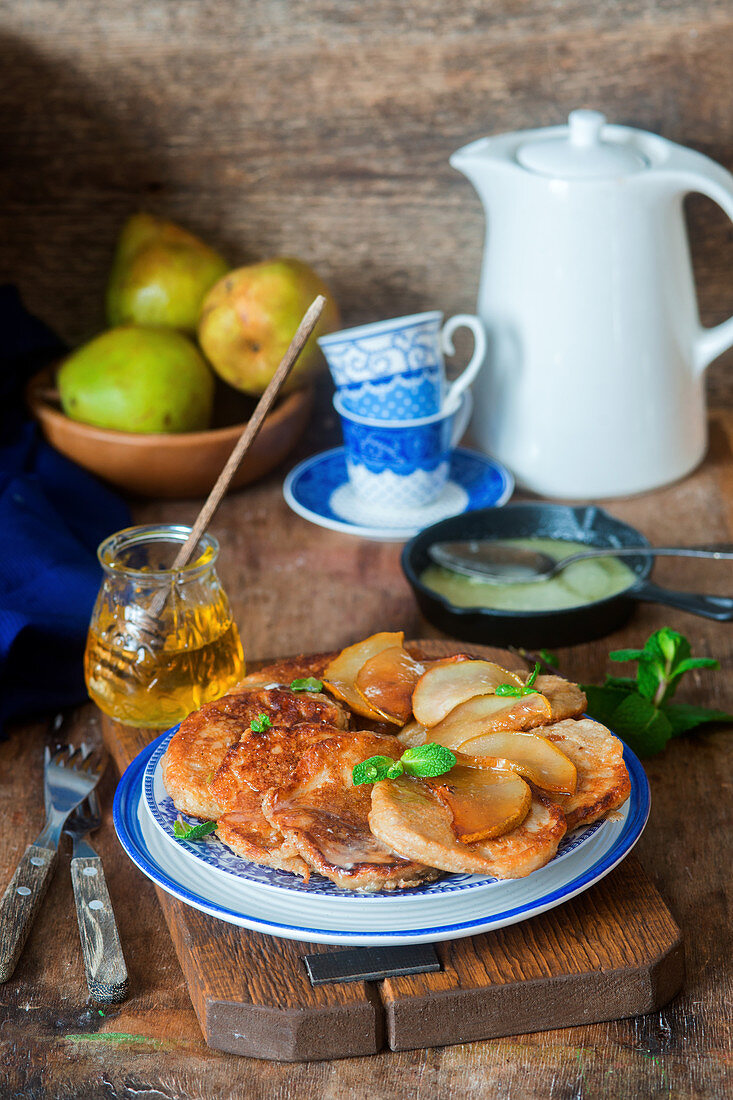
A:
(284, 797)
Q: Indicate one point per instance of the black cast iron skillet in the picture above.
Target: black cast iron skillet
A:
(587, 524)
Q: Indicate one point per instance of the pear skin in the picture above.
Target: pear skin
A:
(160, 275)
(250, 316)
(136, 379)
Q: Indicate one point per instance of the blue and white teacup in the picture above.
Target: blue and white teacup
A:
(394, 370)
(396, 464)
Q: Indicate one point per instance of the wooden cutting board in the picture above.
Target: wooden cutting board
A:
(611, 952)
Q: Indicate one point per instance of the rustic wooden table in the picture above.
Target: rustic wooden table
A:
(296, 587)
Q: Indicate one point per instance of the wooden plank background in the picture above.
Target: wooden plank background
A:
(323, 129)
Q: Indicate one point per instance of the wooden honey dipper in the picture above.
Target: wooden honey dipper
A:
(147, 620)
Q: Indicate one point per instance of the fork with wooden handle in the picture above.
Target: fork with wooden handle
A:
(104, 962)
(69, 775)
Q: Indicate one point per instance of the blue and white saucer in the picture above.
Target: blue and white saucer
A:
(319, 490)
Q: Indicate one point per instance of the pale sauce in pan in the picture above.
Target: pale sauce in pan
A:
(581, 583)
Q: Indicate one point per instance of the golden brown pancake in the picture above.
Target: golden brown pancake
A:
(201, 743)
(269, 849)
(407, 815)
(250, 768)
(565, 698)
(326, 818)
(284, 672)
(603, 781)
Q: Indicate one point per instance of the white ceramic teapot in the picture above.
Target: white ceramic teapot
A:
(593, 384)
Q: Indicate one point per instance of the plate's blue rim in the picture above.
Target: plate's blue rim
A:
(336, 522)
(128, 829)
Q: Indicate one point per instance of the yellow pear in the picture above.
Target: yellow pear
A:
(250, 316)
(137, 379)
(160, 275)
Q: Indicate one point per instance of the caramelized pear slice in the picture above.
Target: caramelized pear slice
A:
(447, 684)
(487, 713)
(408, 816)
(528, 754)
(483, 804)
(340, 675)
(386, 682)
(412, 734)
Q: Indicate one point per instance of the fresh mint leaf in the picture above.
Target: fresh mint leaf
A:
(651, 679)
(516, 691)
(308, 683)
(695, 662)
(603, 702)
(372, 770)
(511, 690)
(674, 647)
(260, 724)
(685, 716)
(625, 682)
(625, 654)
(642, 725)
(668, 646)
(427, 760)
(422, 761)
(640, 710)
(549, 658)
(181, 831)
(686, 665)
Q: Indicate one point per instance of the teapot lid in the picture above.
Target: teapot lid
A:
(581, 152)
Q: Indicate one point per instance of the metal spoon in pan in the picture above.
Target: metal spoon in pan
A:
(497, 562)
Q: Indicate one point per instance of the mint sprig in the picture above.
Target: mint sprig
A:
(515, 690)
(308, 683)
(421, 761)
(260, 724)
(181, 831)
(639, 709)
(375, 769)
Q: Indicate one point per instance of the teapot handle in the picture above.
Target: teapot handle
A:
(691, 171)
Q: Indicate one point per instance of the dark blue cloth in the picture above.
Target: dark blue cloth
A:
(53, 515)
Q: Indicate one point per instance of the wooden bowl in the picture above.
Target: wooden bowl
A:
(171, 466)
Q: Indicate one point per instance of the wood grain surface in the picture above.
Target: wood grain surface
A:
(615, 952)
(323, 130)
(297, 587)
(610, 953)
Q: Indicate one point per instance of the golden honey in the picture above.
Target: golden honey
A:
(194, 654)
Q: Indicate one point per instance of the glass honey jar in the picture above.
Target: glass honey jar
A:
(161, 641)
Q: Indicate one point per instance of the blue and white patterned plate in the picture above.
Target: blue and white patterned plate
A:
(319, 490)
(382, 920)
(215, 855)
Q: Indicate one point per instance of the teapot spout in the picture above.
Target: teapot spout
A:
(482, 162)
(471, 160)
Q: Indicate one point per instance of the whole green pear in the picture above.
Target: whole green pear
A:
(250, 316)
(138, 379)
(160, 275)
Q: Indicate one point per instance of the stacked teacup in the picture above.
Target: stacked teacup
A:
(400, 417)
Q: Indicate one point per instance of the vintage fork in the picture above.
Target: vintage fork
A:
(69, 775)
(104, 962)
